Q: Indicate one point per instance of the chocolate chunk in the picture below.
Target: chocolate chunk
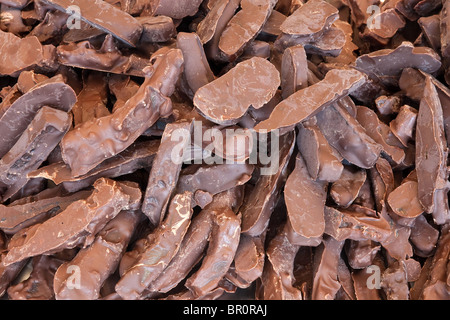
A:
(105, 17)
(432, 31)
(176, 10)
(305, 198)
(326, 259)
(260, 202)
(156, 29)
(107, 136)
(403, 126)
(394, 282)
(123, 88)
(220, 253)
(445, 34)
(244, 26)
(387, 105)
(386, 65)
(11, 20)
(424, 237)
(165, 170)
(294, 71)
(158, 253)
(32, 148)
(348, 137)
(272, 27)
(52, 92)
(322, 161)
(249, 258)
(360, 254)
(81, 220)
(404, 200)
(98, 261)
(431, 149)
(345, 190)
(197, 71)
(347, 54)
(309, 101)
(366, 281)
(311, 19)
(391, 21)
(251, 83)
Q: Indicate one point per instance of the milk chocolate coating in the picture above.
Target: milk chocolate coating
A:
(345, 190)
(104, 16)
(431, 148)
(424, 237)
(98, 261)
(244, 26)
(165, 171)
(311, 19)
(52, 92)
(249, 258)
(173, 9)
(391, 21)
(107, 136)
(294, 70)
(432, 30)
(82, 220)
(348, 137)
(404, 200)
(32, 148)
(156, 29)
(309, 101)
(305, 198)
(251, 83)
(445, 34)
(404, 124)
(159, 252)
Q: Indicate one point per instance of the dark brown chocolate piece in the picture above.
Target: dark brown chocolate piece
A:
(346, 189)
(158, 253)
(326, 262)
(348, 137)
(432, 30)
(294, 71)
(104, 16)
(92, 265)
(107, 136)
(81, 220)
(322, 161)
(431, 149)
(165, 170)
(309, 101)
(32, 148)
(311, 19)
(260, 202)
(305, 201)
(244, 26)
(386, 65)
(52, 92)
(250, 83)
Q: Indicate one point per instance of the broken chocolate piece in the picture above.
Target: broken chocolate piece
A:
(404, 200)
(345, 190)
(404, 125)
(156, 29)
(175, 10)
(294, 71)
(250, 83)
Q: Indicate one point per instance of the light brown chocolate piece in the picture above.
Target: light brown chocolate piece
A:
(361, 253)
(305, 201)
(107, 136)
(311, 19)
(322, 161)
(394, 282)
(94, 264)
(250, 83)
(86, 217)
(156, 29)
(307, 102)
(390, 20)
(174, 9)
(159, 251)
(346, 189)
(347, 55)
(294, 71)
(445, 34)
(249, 258)
(244, 27)
(404, 200)
(404, 125)
(424, 237)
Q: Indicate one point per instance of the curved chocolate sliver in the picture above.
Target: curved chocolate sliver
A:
(309, 101)
(387, 64)
(326, 261)
(196, 67)
(52, 92)
(404, 124)
(123, 88)
(347, 55)
(277, 280)
(220, 254)
(15, 216)
(311, 19)
(244, 26)
(249, 258)
(431, 148)
(165, 170)
(322, 161)
(348, 137)
(81, 220)
(156, 256)
(346, 189)
(104, 16)
(191, 251)
(174, 9)
(33, 147)
(404, 200)
(305, 201)
(250, 83)
(294, 70)
(94, 264)
(355, 224)
(260, 202)
(90, 143)
(380, 133)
